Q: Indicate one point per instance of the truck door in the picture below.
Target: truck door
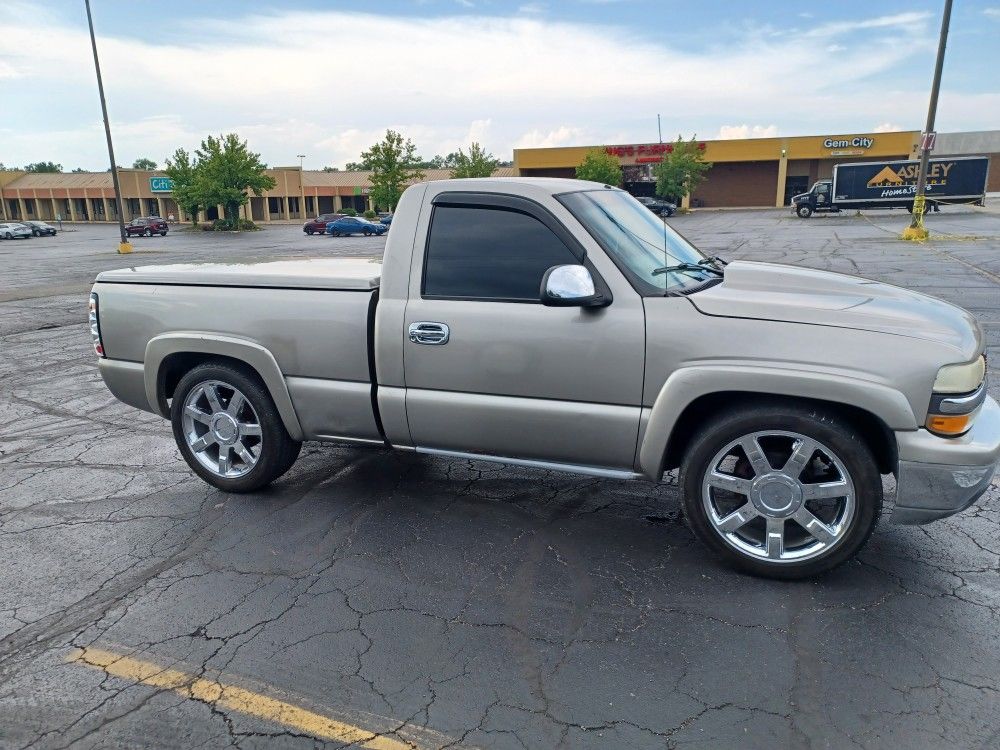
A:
(821, 192)
(489, 369)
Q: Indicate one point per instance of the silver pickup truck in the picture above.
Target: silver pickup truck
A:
(559, 324)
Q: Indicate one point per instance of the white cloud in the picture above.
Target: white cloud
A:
(992, 13)
(731, 132)
(887, 127)
(564, 135)
(524, 81)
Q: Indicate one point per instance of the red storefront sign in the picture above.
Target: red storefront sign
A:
(645, 152)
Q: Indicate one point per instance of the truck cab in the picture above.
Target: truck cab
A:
(819, 198)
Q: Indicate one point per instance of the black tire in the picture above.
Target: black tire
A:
(804, 211)
(310, 231)
(278, 451)
(368, 233)
(825, 426)
(148, 233)
(163, 234)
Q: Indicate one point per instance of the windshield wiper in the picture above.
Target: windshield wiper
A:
(701, 266)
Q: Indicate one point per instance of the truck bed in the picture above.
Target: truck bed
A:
(342, 274)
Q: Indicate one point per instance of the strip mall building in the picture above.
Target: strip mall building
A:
(762, 171)
(751, 172)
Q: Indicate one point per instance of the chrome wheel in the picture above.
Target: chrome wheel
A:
(779, 496)
(222, 429)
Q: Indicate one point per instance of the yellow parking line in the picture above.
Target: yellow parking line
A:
(235, 699)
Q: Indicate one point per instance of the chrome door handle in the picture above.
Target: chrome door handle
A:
(430, 333)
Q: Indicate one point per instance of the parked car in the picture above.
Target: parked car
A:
(15, 231)
(40, 228)
(387, 220)
(348, 225)
(657, 206)
(147, 227)
(318, 225)
(558, 324)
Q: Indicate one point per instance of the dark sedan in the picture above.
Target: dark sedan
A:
(355, 225)
(657, 206)
(40, 228)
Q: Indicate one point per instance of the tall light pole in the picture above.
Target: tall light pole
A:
(916, 229)
(301, 157)
(659, 130)
(124, 246)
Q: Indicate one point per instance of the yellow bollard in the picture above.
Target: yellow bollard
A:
(124, 247)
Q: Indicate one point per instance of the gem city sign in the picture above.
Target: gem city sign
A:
(161, 185)
(859, 142)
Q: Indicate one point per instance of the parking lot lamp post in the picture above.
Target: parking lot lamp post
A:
(124, 246)
(917, 230)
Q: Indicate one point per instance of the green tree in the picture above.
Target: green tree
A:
(227, 172)
(79, 170)
(331, 169)
(683, 168)
(600, 166)
(43, 166)
(183, 170)
(144, 163)
(393, 163)
(477, 163)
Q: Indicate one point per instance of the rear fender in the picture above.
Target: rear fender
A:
(252, 354)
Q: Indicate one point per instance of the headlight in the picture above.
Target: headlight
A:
(959, 393)
(960, 378)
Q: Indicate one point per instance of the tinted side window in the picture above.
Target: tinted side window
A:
(489, 253)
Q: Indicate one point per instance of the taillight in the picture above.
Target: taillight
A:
(94, 321)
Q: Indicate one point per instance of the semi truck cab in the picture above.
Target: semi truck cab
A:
(819, 198)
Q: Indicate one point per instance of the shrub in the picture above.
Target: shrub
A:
(228, 225)
(348, 212)
(369, 214)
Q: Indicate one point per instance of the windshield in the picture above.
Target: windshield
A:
(639, 241)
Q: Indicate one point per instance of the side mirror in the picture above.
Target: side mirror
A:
(570, 286)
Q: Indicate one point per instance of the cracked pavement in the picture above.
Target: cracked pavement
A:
(446, 603)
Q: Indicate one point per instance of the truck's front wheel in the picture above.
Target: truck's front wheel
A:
(804, 211)
(783, 492)
(229, 430)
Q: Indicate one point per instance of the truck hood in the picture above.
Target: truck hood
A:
(348, 274)
(766, 291)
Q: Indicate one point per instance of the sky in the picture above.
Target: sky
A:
(326, 79)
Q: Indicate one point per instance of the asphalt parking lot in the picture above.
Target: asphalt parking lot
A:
(381, 600)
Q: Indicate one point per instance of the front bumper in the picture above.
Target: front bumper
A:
(938, 477)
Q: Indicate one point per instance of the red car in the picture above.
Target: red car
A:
(318, 225)
(147, 227)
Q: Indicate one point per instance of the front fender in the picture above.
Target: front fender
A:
(687, 384)
(253, 354)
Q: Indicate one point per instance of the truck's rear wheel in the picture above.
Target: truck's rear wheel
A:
(783, 492)
(804, 212)
(228, 429)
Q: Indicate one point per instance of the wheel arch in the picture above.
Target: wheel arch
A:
(691, 396)
(169, 356)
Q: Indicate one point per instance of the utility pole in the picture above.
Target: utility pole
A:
(659, 130)
(124, 246)
(916, 230)
(301, 158)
